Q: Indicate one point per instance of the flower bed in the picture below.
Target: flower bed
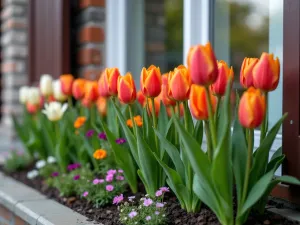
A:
(115, 140)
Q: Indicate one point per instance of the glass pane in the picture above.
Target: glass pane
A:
(163, 33)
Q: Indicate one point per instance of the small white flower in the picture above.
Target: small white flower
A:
(40, 164)
(57, 92)
(32, 174)
(125, 218)
(33, 96)
(51, 160)
(55, 110)
(23, 94)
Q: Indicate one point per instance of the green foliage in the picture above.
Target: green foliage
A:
(17, 161)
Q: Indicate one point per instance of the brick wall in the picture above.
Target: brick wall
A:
(8, 218)
(90, 38)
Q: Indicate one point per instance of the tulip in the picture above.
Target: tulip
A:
(225, 74)
(141, 98)
(246, 74)
(266, 73)
(181, 110)
(156, 105)
(126, 89)
(203, 65)
(179, 84)
(32, 108)
(102, 105)
(23, 94)
(46, 85)
(102, 88)
(252, 108)
(164, 92)
(33, 95)
(198, 103)
(151, 81)
(78, 88)
(110, 80)
(55, 110)
(66, 83)
(91, 91)
(57, 92)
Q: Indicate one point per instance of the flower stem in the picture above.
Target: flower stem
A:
(212, 126)
(115, 99)
(70, 103)
(154, 123)
(208, 137)
(92, 113)
(173, 109)
(133, 121)
(264, 126)
(217, 110)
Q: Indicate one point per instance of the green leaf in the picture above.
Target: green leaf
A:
(275, 163)
(288, 179)
(189, 118)
(148, 133)
(163, 119)
(198, 132)
(277, 153)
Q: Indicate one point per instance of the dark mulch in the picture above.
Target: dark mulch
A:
(109, 215)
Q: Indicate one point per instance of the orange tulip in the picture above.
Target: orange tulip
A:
(102, 88)
(181, 110)
(102, 105)
(66, 83)
(179, 84)
(203, 65)
(198, 103)
(110, 80)
(79, 122)
(78, 88)
(151, 81)
(91, 91)
(141, 98)
(32, 108)
(266, 72)
(126, 89)
(164, 92)
(246, 76)
(252, 108)
(225, 74)
(156, 105)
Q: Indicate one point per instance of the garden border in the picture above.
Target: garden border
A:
(35, 208)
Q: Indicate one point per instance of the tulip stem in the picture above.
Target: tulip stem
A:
(217, 110)
(208, 136)
(117, 121)
(264, 126)
(154, 122)
(133, 121)
(70, 101)
(211, 120)
(173, 109)
(248, 165)
(178, 109)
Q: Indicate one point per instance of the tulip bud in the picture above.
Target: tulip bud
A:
(110, 80)
(57, 91)
(203, 65)
(151, 81)
(266, 73)
(78, 88)
(102, 88)
(179, 84)
(102, 106)
(91, 91)
(252, 108)
(164, 92)
(141, 98)
(246, 74)
(225, 75)
(23, 94)
(32, 108)
(46, 85)
(66, 83)
(198, 103)
(33, 95)
(55, 110)
(126, 89)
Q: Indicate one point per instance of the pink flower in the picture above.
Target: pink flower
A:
(109, 178)
(109, 187)
(147, 201)
(158, 193)
(120, 171)
(118, 199)
(96, 181)
(164, 189)
(156, 213)
(85, 194)
(159, 205)
(132, 214)
(120, 178)
(111, 172)
(76, 177)
(101, 181)
(148, 218)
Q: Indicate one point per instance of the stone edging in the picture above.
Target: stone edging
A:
(33, 207)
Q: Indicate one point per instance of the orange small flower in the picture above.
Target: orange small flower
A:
(79, 122)
(202, 64)
(141, 98)
(164, 91)
(102, 106)
(198, 103)
(78, 88)
(252, 108)
(91, 91)
(66, 83)
(225, 74)
(266, 73)
(100, 154)
(110, 80)
(126, 89)
(151, 81)
(246, 74)
(179, 84)
(138, 121)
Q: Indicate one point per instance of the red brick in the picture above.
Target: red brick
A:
(5, 213)
(87, 56)
(91, 74)
(91, 34)
(12, 23)
(87, 3)
(19, 221)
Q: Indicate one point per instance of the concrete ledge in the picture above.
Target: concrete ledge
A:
(33, 207)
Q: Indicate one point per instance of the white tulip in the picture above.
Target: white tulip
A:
(46, 85)
(32, 174)
(58, 94)
(23, 94)
(34, 96)
(51, 160)
(55, 110)
(40, 164)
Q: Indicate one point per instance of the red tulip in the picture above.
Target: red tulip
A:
(110, 80)
(66, 81)
(246, 74)
(126, 89)
(179, 84)
(151, 81)
(78, 88)
(225, 74)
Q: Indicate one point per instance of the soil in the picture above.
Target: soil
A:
(176, 216)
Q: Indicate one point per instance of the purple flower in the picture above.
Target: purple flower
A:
(159, 205)
(118, 199)
(148, 218)
(147, 202)
(76, 177)
(102, 136)
(164, 189)
(86, 193)
(55, 174)
(109, 178)
(120, 171)
(89, 133)
(157, 213)
(112, 172)
(120, 141)
(132, 214)
(158, 193)
(109, 187)
(120, 178)
(96, 181)
(73, 166)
